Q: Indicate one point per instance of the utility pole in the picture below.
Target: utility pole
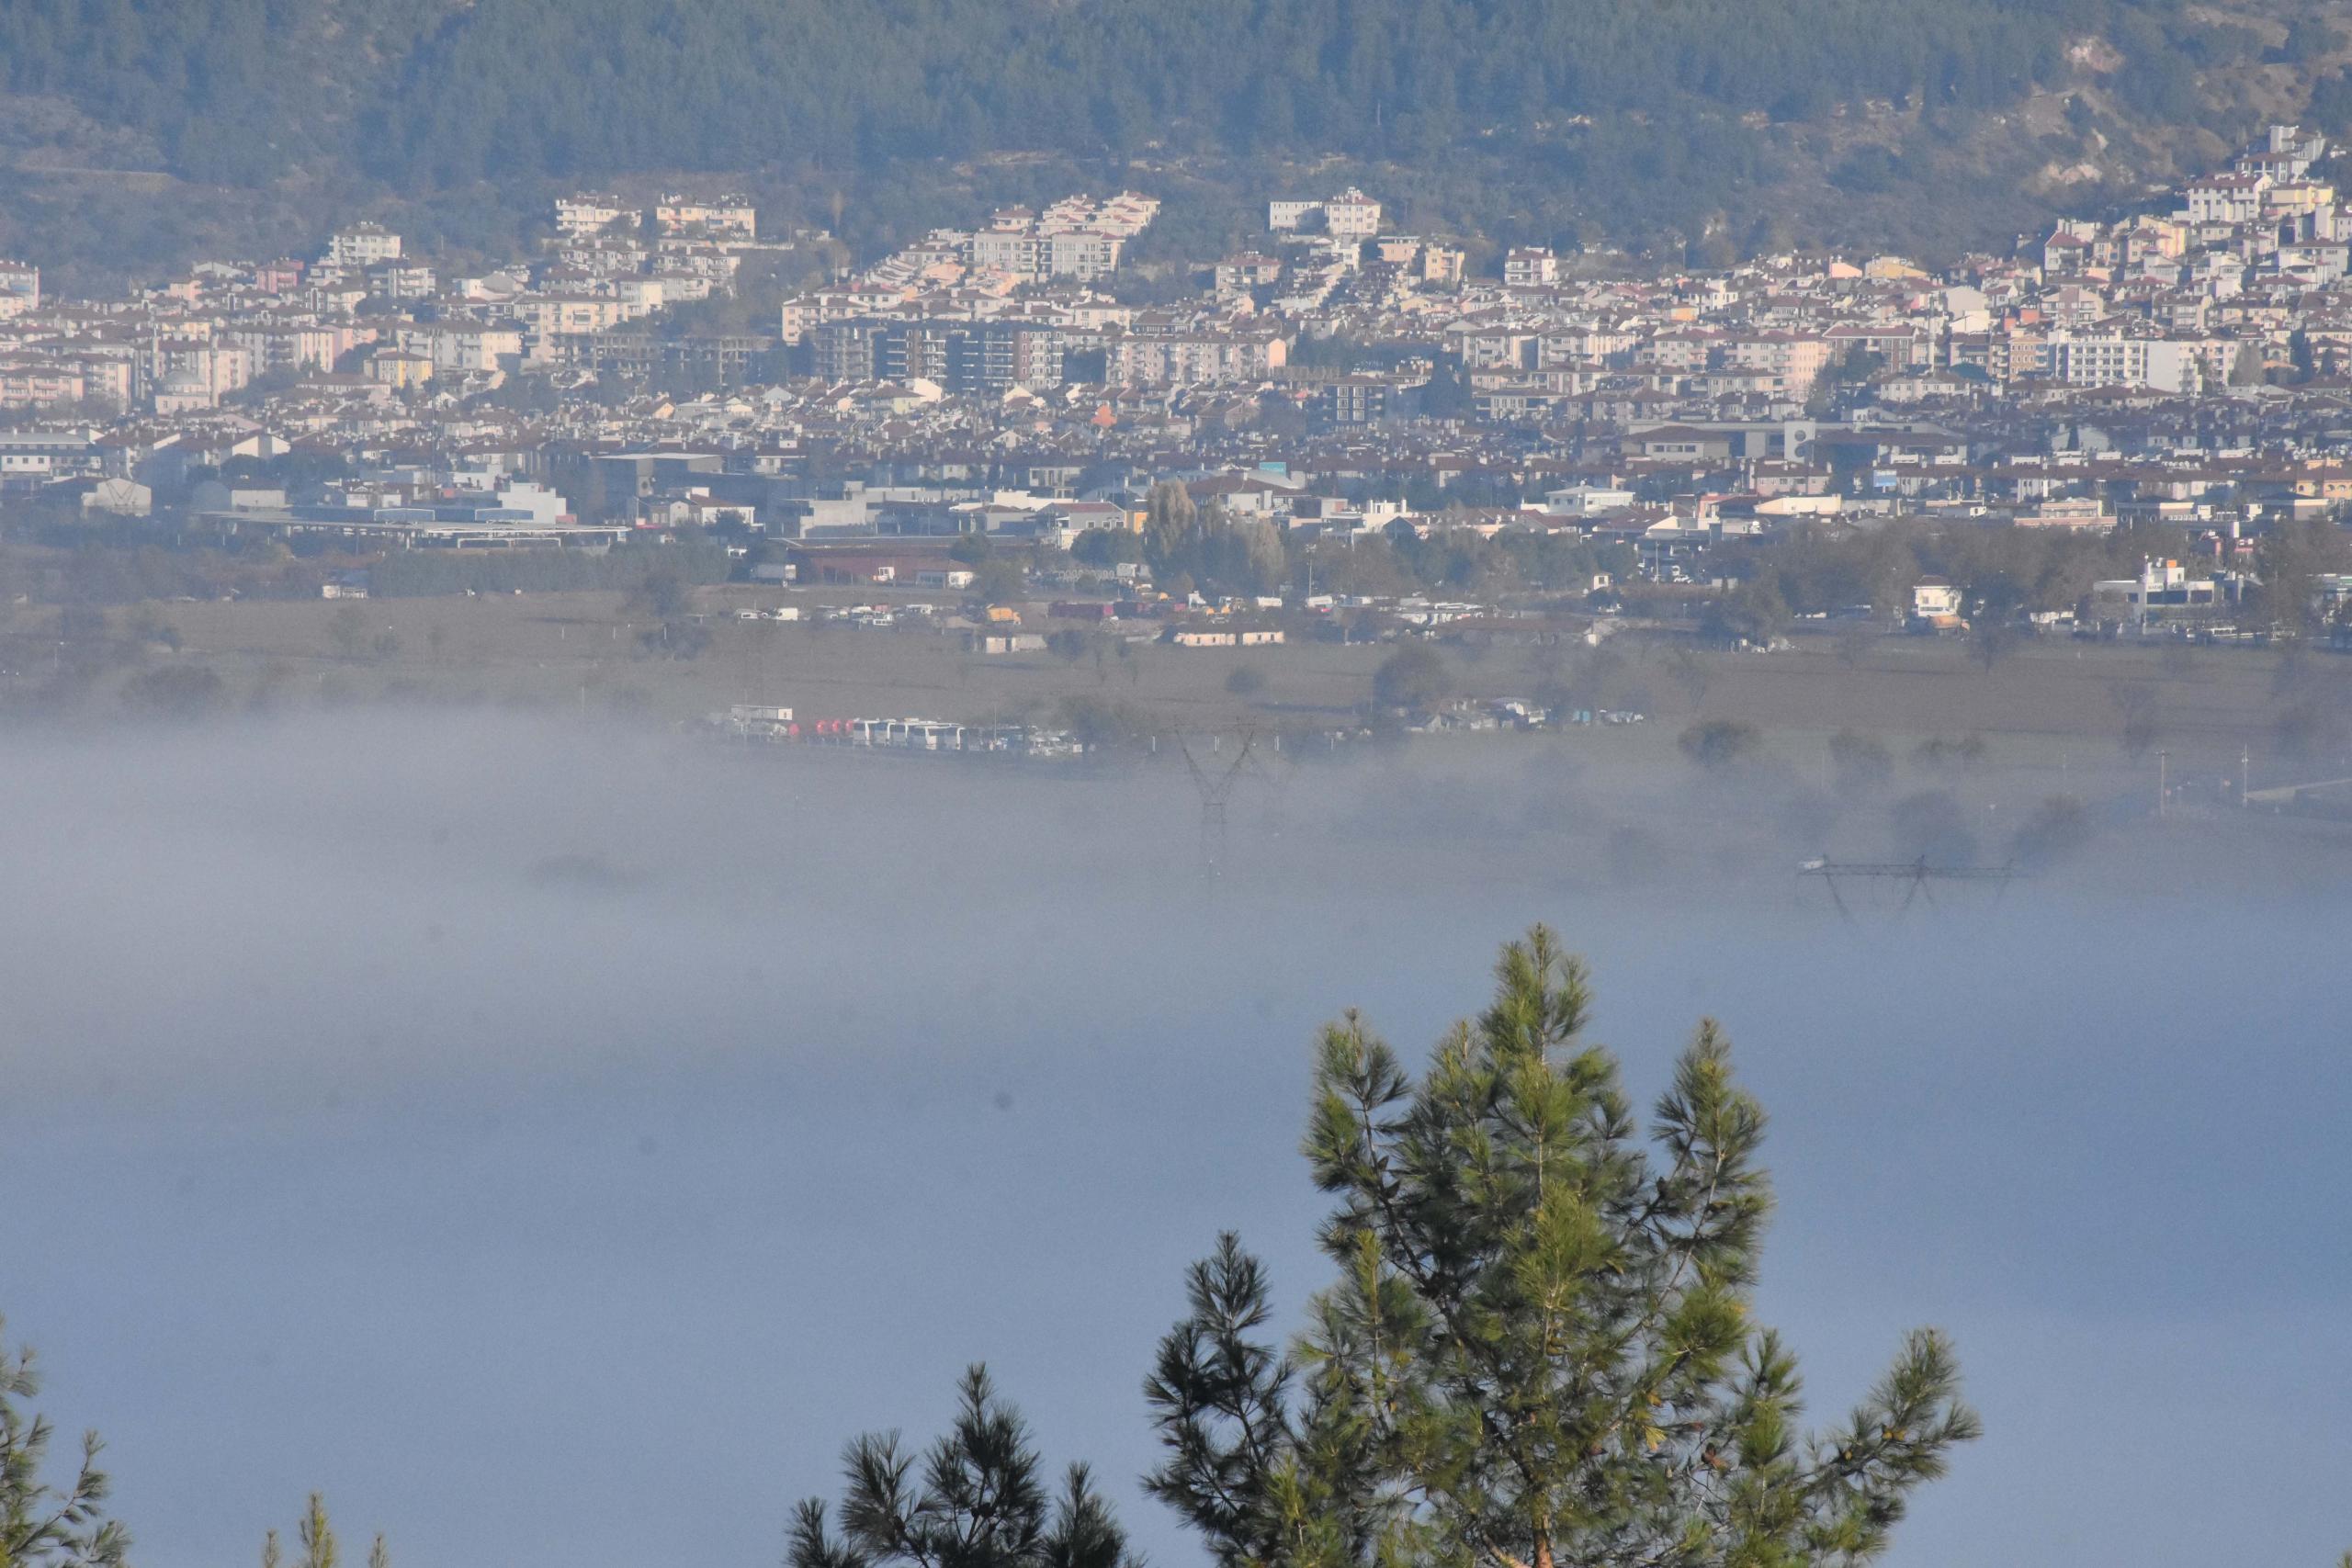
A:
(2245, 760)
(2161, 759)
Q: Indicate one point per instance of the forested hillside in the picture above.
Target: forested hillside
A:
(1663, 121)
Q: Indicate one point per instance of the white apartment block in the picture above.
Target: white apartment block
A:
(2112, 360)
(732, 216)
(1083, 254)
(1014, 251)
(1351, 214)
(576, 217)
(363, 245)
(1123, 216)
(299, 345)
(545, 316)
(2226, 199)
(1531, 267)
(1196, 358)
(2287, 153)
(1284, 216)
(1076, 237)
(463, 348)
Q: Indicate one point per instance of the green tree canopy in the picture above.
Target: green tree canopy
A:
(978, 1502)
(43, 1525)
(1541, 1345)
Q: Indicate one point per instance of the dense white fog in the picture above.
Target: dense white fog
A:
(554, 1142)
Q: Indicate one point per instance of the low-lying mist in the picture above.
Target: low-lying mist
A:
(539, 1136)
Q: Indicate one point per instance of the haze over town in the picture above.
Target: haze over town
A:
(703, 733)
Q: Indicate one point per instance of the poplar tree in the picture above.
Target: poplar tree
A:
(43, 1525)
(1541, 1348)
(979, 1500)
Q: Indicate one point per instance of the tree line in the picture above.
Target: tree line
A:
(2001, 570)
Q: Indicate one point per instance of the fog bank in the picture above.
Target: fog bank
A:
(503, 1125)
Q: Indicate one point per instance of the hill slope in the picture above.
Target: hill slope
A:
(1719, 122)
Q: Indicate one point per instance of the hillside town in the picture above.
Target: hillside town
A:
(1027, 384)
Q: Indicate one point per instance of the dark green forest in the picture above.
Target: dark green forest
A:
(1567, 119)
(422, 93)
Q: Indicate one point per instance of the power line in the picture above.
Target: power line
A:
(1916, 876)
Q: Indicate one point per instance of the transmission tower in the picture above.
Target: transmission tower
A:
(1215, 786)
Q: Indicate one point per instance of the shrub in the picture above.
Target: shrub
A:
(1860, 762)
(1413, 677)
(2059, 828)
(1717, 743)
(175, 690)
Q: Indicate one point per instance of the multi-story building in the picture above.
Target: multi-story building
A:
(1791, 362)
(1368, 399)
(848, 350)
(1194, 358)
(732, 216)
(1531, 267)
(363, 245)
(577, 217)
(1083, 254)
(1349, 215)
(32, 383)
(19, 290)
(463, 346)
(2109, 360)
(2225, 198)
(1249, 271)
(1017, 251)
(2286, 153)
(969, 359)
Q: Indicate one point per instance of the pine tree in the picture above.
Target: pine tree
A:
(980, 1502)
(317, 1536)
(1263, 1486)
(1541, 1348)
(43, 1526)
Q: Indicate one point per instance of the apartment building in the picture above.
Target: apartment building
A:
(731, 217)
(578, 216)
(1531, 267)
(363, 245)
(2115, 360)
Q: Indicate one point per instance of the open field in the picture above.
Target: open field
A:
(2051, 715)
(590, 650)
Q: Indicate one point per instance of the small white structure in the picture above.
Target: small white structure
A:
(2163, 588)
(908, 734)
(1935, 602)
